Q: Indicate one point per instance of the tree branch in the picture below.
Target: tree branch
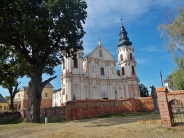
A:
(47, 81)
(15, 90)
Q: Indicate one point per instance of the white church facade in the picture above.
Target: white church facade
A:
(94, 76)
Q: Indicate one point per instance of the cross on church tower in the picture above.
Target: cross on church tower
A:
(121, 21)
(99, 42)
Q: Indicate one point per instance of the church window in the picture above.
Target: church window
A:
(75, 63)
(63, 63)
(100, 53)
(123, 71)
(131, 56)
(46, 94)
(121, 57)
(133, 70)
(102, 71)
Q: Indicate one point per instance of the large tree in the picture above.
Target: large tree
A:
(173, 30)
(176, 79)
(37, 31)
(9, 73)
(143, 90)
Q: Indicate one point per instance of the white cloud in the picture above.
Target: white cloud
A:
(102, 13)
(150, 49)
(141, 61)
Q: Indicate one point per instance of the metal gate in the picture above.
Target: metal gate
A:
(177, 112)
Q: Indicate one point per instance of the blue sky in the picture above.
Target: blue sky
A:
(140, 19)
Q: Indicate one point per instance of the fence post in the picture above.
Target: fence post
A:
(166, 119)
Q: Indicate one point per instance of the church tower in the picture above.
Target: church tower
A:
(72, 69)
(126, 59)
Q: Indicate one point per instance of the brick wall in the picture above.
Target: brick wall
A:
(164, 101)
(79, 109)
(94, 108)
(144, 104)
(52, 111)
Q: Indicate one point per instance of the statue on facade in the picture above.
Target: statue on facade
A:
(154, 97)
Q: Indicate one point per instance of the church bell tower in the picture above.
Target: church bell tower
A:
(126, 58)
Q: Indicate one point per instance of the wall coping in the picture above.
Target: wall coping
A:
(144, 97)
(162, 89)
(99, 100)
(176, 92)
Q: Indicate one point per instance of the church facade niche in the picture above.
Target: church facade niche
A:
(100, 53)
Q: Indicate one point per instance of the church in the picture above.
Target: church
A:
(94, 76)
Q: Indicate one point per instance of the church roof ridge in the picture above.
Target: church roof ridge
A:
(99, 44)
(2, 99)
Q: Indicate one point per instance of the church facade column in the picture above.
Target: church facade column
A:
(126, 88)
(97, 69)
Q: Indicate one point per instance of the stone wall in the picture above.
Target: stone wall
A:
(164, 101)
(7, 117)
(94, 108)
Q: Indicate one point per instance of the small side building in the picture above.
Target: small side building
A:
(57, 95)
(21, 98)
(3, 104)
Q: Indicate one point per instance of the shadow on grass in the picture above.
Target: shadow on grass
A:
(42, 120)
(17, 121)
(126, 114)
(110, 120)
(54, 119)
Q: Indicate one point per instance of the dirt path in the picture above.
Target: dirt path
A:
(119, 127)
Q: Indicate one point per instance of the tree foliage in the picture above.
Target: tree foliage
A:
(37, 32)
(118, 72)
(9, 73)
(176, 79)
(173, 29)
(143, 90)
(7, 98)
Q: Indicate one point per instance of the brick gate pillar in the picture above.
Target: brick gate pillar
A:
(165, 115)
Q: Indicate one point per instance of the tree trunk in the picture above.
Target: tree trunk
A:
(11, 103)
(34, 98)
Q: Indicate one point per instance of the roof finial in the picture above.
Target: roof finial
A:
(99, 43)
(121, 21)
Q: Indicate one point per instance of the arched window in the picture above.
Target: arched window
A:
(123, 71)
(102, 71)
(133, 70)
(131, 56)
(75, 63)
(121, 57)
